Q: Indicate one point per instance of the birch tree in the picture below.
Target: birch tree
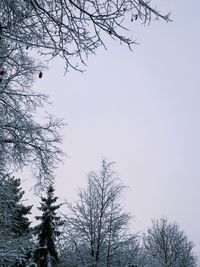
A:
(166, 245)
(96, 227)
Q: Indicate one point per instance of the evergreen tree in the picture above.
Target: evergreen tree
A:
(15, 227)
(47, 231)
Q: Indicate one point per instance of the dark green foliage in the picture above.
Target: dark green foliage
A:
(15, 238)
(47, 231)
(13, 212)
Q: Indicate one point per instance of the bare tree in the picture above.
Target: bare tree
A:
(72, 29)
(97, 228)
(24, 140)
(167, 246)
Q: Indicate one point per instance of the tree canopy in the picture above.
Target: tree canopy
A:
(96, 227)
(71, 29)
(40, 28)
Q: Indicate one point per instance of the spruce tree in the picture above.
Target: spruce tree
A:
(47, 231)
(15, 238)
(13, 210)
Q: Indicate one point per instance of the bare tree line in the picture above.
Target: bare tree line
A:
(96, 231)
(93, 231)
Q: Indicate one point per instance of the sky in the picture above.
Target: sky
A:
(141, 110)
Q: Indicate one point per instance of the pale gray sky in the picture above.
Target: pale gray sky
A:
(142, 111)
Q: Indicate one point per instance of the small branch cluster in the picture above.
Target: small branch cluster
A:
(23, 140)
(72, 29)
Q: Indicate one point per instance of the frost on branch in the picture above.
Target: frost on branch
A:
(72, 29)
(24, 140)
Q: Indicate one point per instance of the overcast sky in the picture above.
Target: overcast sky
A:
(140, 110)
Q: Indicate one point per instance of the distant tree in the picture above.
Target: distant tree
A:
(47, 231)
(96, 226)
(167, 246)
(15, 231)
